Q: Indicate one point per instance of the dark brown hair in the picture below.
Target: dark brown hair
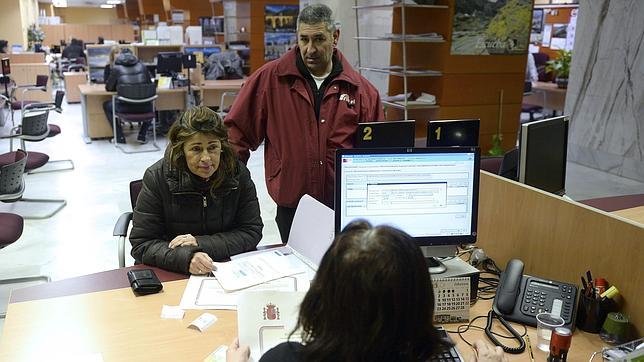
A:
(371, 300)
(201, 119)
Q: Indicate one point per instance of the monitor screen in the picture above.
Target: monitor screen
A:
(430, 193)
(450, 133)
(542, 154)
(385, 134)
(169, 62)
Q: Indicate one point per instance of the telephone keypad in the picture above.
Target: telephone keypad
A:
(539, 298)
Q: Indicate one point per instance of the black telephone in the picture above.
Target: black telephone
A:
(519, 298)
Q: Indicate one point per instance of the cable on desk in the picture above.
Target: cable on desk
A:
(465, 327)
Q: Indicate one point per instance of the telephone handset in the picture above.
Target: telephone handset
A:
(519, 298)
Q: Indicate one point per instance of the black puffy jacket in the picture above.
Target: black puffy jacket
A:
(127, 69)
(224, 224)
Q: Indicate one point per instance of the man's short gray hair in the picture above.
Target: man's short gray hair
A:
(315, 14)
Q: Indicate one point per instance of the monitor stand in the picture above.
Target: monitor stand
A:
(431, 253)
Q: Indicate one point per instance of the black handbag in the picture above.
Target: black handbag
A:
(144, 281)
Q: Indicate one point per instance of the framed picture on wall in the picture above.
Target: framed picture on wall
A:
(537, 21)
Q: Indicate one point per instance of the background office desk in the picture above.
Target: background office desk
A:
(95, 123)
(211, 91)
(547, 95)
(77, 317)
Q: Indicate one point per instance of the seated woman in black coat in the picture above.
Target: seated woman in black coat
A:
(198, 203)
(371, 300)
(127, 69)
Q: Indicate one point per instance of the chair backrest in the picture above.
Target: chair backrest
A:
(34, 125)
(136, 91)
(540, 60)
(135, 189)
(41, 80)
(11, 177)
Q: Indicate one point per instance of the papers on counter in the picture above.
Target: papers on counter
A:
(265, 319)
(256, 269)
(206, 292)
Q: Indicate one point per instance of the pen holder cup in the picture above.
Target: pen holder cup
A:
(591, 313)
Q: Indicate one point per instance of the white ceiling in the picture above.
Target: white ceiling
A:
(79, 3)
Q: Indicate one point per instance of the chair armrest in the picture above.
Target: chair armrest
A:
(130, 100)
(122, 224)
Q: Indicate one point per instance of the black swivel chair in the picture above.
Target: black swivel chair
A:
(123, 223)
(135, 94)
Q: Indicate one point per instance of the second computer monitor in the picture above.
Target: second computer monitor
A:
(453, 132)
(169, 62)
(385, 134)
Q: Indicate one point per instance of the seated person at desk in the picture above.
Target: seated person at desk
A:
(74, 50)
(4, 46)
(127, 69)
(198, 203)
(371, 300)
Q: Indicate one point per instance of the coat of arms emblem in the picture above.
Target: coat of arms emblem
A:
(271, 312)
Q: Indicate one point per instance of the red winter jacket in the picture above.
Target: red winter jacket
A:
(276, 106)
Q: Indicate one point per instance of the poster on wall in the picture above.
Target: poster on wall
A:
(280, 23)
(572, 27)
(559, 35)
(486, 27)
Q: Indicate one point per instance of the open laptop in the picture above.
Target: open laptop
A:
(385, 134)
(453, 132)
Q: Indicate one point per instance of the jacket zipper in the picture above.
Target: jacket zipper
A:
(203, 214)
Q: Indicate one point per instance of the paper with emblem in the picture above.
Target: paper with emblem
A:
(266, 319)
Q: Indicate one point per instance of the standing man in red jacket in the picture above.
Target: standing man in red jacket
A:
(303, 106)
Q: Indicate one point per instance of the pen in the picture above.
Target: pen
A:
(583, 282)
(527, 341)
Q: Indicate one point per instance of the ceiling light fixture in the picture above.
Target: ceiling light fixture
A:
(114, 2)
(60, 3)
(107, 6)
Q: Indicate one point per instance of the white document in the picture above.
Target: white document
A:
(206, 293)
(172, 312)
(547, 32)
(312, 233)
(265, 319)
(255, 269)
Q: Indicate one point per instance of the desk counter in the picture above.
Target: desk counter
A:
(212, 91)
(547, 95)
(95, 123)
(122, 327)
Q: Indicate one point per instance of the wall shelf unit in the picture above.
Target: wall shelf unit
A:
(402, 68)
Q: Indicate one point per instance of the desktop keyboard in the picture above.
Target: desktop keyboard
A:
(451, 355)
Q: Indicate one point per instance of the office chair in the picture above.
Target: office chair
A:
(510, 164)
(123, 223)
(491, 164)
(41, 85)
(222, 110)
(34, 128)
(11, 225)
(135, 94)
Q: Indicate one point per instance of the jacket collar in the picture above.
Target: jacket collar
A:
(287, 66)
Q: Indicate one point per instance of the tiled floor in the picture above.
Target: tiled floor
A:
(78, 240)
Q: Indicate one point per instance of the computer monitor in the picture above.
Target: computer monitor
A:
(430, 193)
(450, 133)
(543, 151)
(385, 134)
(169, 63)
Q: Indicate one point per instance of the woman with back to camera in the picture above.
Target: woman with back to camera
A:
(371, 300)
(198, 203)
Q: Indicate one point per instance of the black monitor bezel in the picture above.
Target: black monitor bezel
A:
(523, 150)
(421, 241)
(166, 56)
(469, 121)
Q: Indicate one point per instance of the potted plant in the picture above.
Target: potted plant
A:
(35, 36)
(560, 67)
